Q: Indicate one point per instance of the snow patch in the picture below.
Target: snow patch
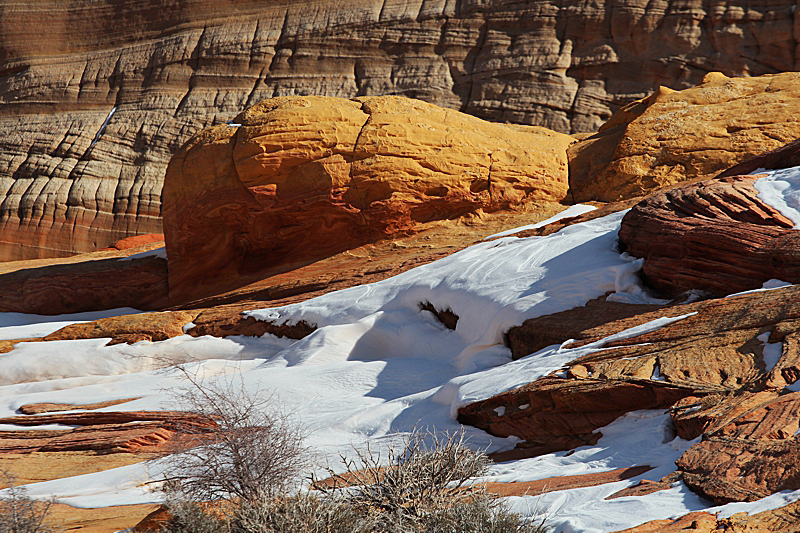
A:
(769, 285)
(781, 189)
(103, 127)
(657, 376)
(157, 252)
(571, 211)
(772, 351)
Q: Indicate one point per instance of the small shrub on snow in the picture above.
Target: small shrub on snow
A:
(20, 513)
(253, 452)
(252, 458)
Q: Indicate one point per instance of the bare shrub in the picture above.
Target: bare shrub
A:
(302, 513)
(479, 514)
(417, 479)
(253, 457)
(19, 513)
(191, 517)
(252, 452)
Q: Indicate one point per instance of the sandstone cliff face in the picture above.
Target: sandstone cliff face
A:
(304, 178)
(168, 68)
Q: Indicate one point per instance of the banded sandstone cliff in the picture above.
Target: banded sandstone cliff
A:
(76, 177)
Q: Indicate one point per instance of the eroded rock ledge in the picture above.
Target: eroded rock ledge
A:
(708, 368)
(716, 236)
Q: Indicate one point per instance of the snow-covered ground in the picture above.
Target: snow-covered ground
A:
(378, 366)
(781, 190)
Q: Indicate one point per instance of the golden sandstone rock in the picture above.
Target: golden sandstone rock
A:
(674, 136)
(304, 178)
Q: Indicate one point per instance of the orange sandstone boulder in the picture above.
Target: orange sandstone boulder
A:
(304, 178)
(674, 136)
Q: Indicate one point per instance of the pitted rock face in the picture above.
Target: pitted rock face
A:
(304, 178)
(169, 68)
(693, 134)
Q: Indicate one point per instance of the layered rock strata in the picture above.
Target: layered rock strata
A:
(715, 369)
(110, 432)
(124, 83)
(304, 178)
(693, 134)
(716, 236)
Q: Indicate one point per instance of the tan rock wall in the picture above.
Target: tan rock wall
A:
(173, 67)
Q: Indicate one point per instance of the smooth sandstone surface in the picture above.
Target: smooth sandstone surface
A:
(76, 177)
(693, 134)
(304, 178)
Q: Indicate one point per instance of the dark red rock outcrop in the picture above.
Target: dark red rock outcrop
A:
(86, 286)
(171, 67)
(41, 408)
(716, 236)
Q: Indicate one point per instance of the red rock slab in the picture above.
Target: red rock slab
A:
(137, 240)
(537, 333)
(40, 408)
(643, 488)
(128, 328)
(749, 449)
(107, 417)
(699, 522)
(126, 437)
(99, 431)
(553, 414)
(153, 522)
(716, 236)
(781, 520)
(224, 322)
(85, 286)
(552, 484)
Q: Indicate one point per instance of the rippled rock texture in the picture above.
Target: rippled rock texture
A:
(716, 236)
(168, 68)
